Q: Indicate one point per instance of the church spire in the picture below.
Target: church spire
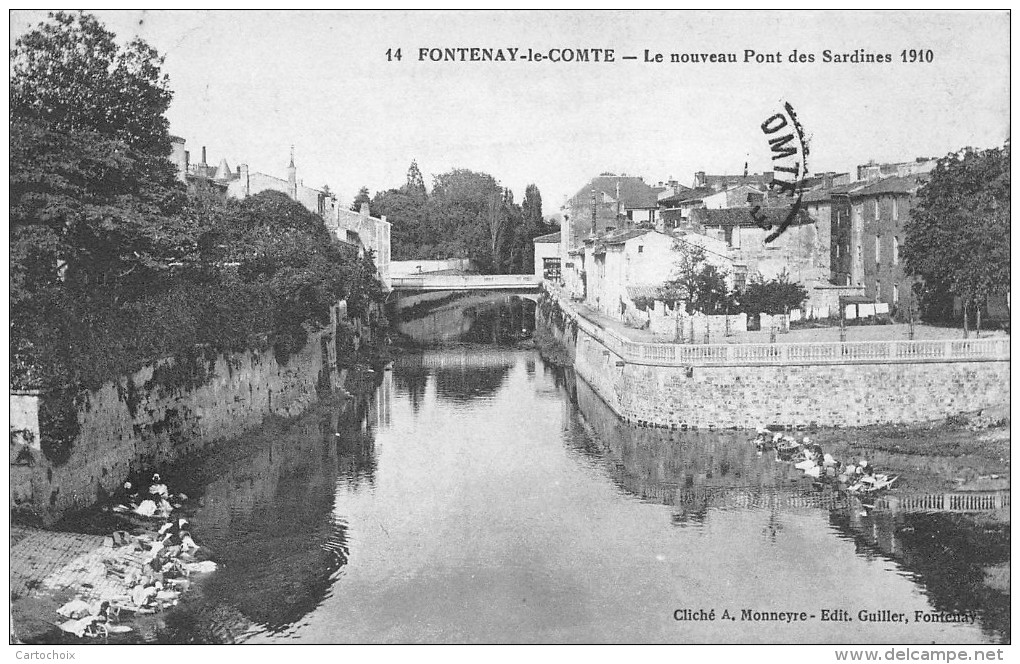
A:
(292, 176)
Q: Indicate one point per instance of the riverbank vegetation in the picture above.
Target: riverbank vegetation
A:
(113, 262)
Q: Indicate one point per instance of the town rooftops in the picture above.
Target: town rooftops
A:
(688, 196)
(892, 185)
(619, 237)
(548, 237)
(827, 194)
(908, 184)
(720, 182)
(635, 291)
(741, 216)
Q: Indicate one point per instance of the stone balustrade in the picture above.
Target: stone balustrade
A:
(853, 352)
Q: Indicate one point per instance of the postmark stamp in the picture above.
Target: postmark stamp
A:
(789, 151)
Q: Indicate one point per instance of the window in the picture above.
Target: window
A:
(740, 279)
(895, 250)
(878, 290)
(551, 269)
(641, 249)
(895, 293)
(837, 251)
(878, 249)
(876, 208)
(895, 208)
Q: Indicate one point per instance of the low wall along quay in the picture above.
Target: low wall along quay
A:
(783, 385)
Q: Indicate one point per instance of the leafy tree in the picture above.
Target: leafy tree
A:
(94, 200)
(466, 217)
(775, 296)
(531, 227)
(698, 285)
(362, 197)
(70, 75)
(407, 214)
(957, 237)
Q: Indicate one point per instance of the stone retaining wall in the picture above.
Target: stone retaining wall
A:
(144, 422)
(793, 395)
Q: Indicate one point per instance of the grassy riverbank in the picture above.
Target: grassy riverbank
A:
(968, 453)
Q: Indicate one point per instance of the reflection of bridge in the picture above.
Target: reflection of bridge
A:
(448, 359)
(457, 282)
(749, 497)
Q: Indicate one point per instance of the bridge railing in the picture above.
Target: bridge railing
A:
(752, 354)
(466, 281)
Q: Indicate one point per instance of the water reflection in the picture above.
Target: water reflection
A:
(482, 496)
(695, 473)
(469, 316)
(267, 514)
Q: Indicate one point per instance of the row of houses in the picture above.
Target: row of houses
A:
(621, 238)
(358, 230)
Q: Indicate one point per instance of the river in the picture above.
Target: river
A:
(481, 495)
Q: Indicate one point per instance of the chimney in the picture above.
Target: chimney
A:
(700, 179)
(179, 156)
(242, 174)
(364, 210)
(745, 169)
(203, 156)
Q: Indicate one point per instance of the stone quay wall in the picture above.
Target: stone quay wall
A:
(781, 385)
(146, 421)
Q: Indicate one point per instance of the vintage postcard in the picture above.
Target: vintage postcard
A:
(511, 327)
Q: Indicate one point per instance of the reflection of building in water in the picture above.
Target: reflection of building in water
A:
(948, 552)
(384, 400)
(355, 442)
(689, 470)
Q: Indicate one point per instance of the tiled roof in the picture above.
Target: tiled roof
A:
(636, 291)
(907, 184)
(548, 237)
(742, 216)
(893, 185)
(621, 237)
(716, 181)
(691, 195)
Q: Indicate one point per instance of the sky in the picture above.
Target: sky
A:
(248, 85)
